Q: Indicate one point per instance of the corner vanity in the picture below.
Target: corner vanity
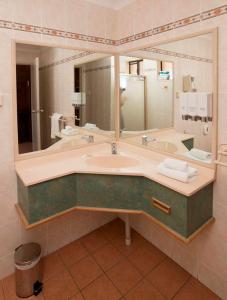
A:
(94, 179)
(153, 103)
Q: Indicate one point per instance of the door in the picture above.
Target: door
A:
(35, 106)
(24, 122)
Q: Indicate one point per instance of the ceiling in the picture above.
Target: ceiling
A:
(114, 4)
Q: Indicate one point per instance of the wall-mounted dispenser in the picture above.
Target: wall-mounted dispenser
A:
(78, 99)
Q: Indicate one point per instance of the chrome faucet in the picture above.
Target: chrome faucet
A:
(146, 139)
(88, 138)
(113, 147)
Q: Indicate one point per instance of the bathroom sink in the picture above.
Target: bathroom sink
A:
(112, 161)
(164, 146)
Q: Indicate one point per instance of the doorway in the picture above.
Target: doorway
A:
(24, 120)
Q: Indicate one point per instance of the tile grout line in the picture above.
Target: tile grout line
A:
(177, 292)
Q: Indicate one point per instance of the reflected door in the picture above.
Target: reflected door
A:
(132, 102)
(35, 104)
(24, 122)
(159, 104)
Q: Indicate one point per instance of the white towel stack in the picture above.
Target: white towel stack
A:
(177, 169)
(55, 128)
(90, 126)
(69, 130)
(200, 154)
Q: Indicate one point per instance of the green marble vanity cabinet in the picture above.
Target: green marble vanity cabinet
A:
(180, 213)
(189, 144)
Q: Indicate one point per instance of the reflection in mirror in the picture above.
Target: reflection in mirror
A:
(166, 97)
(65, 98)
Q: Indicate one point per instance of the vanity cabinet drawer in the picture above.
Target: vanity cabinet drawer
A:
(167, 206)
(109, 191)
(181, 213)
(189, 144)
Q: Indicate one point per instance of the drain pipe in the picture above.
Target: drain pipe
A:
(127, 231)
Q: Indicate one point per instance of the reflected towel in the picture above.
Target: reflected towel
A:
(178, 175)
(90, 126)
(200, 154)
(69, 130)
(176, 164)
(55, 125)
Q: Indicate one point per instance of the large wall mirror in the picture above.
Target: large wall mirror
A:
(64, 98)
(168, 97)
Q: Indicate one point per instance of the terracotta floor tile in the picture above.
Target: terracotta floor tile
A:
(1, 291)
(72, 253)
(144, 291)
(137, 241)
(77, 297)
(101, 289)
(51, 265)
(145, 258)
(124, 276)
(195, 290)
(85, 271)
(113, 229)
(107, 256)
(93, 241)
(168, 277)
(60, 287)
(9, 290)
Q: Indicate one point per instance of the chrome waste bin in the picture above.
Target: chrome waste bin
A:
(27, 270)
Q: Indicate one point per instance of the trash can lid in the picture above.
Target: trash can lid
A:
(26, 254)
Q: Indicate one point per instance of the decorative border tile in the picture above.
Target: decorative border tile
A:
(212, 13)
(177, 54)
(107, 67)
(67, 59)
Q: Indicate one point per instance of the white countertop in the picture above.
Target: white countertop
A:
(40, 169)
(164, 135)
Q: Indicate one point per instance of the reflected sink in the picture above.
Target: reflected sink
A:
(112, 161)
(164, 146)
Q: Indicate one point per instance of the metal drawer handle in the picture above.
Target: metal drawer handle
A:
(162, 206)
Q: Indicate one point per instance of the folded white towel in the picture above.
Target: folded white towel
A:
(192, 172)
(175, 174)
(200, 154)
(69, 130)
(89, 125)
(55, 124)
(176, 164)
